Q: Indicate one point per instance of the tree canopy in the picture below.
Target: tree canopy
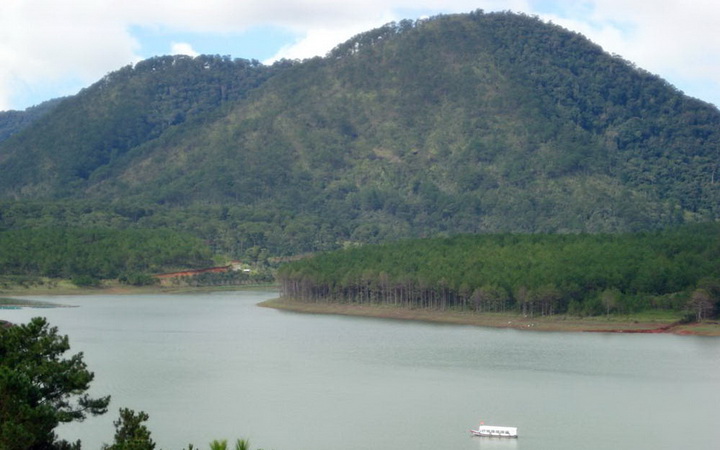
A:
(531, 274)
(98, 253)
(131, 432)
(40, 387)
(461, 123)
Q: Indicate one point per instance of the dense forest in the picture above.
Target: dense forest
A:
(533, 274)
(12, 122)
(469, 123)
(89, 255)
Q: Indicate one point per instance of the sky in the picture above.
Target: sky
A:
(54, 48)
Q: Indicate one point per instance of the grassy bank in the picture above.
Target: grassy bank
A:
(643, 323)
(111, 287)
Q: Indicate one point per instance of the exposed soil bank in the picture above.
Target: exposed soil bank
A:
(502, 320)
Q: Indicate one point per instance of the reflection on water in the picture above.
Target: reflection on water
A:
(19, 303)
(486, 443)
(216, 366)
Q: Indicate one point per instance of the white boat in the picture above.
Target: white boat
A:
(494, 431)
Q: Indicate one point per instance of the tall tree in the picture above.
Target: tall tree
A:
(701, 304)
(40, 388)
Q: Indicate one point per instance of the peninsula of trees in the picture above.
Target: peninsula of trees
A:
(541, 274)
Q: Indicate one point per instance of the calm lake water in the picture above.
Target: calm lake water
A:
(216, 366)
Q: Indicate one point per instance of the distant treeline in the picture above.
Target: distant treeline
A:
(231, 278)
(584, 274)
(93, 254)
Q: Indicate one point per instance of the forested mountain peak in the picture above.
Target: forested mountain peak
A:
(461, 123)
(127, 108)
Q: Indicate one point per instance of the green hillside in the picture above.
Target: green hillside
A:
(67, 151)
(12, 122)
(456, 124)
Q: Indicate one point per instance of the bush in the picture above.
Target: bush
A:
(85, 281)
(138, 279)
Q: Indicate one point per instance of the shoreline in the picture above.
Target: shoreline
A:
(613, 324)
(111, 288)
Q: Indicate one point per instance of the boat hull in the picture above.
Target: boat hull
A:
(511, 436)
(493, 431)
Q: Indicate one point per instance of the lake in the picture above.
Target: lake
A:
(216, 366)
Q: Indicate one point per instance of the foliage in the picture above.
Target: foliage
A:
(131, 432)
(702, 304)
(531, 274)
(125, 109)
(218, 444)
(230, 278)
(39, 388)
(240, 444)
(85, 281)
(12, 122)
(137, 279)
(455, 124)
(88, 255)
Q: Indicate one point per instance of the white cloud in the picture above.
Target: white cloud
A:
(182, 48)
(45, 42)
(72, 43)
(319, 41)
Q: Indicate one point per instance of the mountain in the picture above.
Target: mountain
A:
(12, 122)
(460, 123)
(89, 132)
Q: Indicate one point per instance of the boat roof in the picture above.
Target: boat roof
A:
(495, 427)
